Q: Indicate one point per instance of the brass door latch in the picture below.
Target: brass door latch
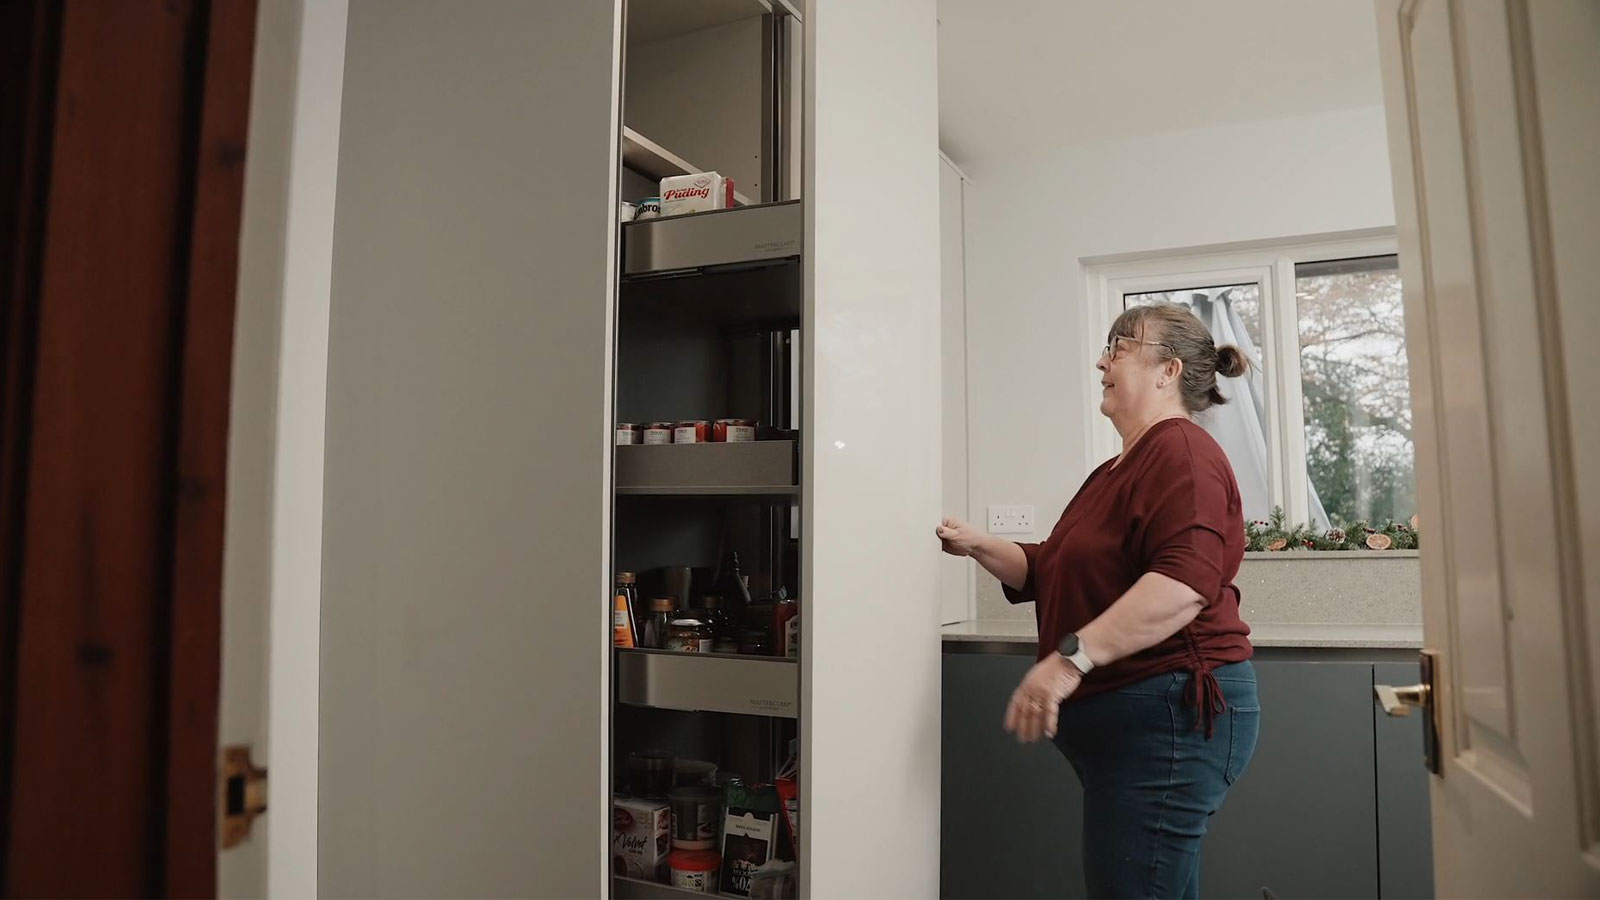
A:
(1399, 701)
(243, 794)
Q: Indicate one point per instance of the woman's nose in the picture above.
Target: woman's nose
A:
(1101, 364)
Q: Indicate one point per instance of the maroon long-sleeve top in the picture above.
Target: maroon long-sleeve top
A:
(1171, 506)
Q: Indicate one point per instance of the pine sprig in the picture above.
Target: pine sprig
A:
(1275, 534)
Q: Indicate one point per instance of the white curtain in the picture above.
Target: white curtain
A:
(1240, 425)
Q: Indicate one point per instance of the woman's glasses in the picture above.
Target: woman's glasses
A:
(1118, 348)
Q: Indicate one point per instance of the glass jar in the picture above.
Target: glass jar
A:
(653, 633)
(689, 636)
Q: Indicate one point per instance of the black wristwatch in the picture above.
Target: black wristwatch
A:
(1072, 650)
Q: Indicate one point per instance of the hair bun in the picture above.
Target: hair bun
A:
(1231, 362)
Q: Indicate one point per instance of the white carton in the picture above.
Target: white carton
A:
(695, 193)
(641, 838)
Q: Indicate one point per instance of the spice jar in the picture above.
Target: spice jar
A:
(694, 431)
(689, 636)
(658, 433)
(653, 633)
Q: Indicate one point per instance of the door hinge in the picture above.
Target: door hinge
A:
(1398, 701)
(243, 796)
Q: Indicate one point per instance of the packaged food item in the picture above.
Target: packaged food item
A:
(626, 211)
(773, 881)
(695, 870)
(694, 431)
(696, 809)
(629, 434)
(785, 614)
(699, 192)
(747, 844)
(640, 838)
(689, 636)
(733, 431)
(659, 432)
(648, 208)
(650, 773)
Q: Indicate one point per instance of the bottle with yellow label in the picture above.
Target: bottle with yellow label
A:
(623, 627)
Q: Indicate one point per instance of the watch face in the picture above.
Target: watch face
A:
(1069, 645)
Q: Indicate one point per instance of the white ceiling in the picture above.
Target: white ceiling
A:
(1065, 71)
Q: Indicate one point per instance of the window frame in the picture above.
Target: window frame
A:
(1268, 264)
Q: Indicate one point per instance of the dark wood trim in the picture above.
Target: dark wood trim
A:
(29, 34)
(117, 470)
(201, 509)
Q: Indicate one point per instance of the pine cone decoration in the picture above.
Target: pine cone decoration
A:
(1336, 535)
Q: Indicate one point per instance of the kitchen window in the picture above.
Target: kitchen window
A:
(1321, 424)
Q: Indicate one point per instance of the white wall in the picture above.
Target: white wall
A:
(870, 670)
(1045, 208)
(465, 641)
(272, 573)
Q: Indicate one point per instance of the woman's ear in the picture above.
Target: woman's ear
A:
(1174, 368)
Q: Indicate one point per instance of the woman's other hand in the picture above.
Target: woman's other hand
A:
(958, 537)
(1036, 703)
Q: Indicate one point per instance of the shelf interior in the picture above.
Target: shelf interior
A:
(653, 161)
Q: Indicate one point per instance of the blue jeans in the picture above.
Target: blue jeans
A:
(1151, 781)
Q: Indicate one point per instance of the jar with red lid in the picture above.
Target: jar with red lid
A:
(629, 434)
(693, 431)
(695, 870)
(733, 431)
(658, 433)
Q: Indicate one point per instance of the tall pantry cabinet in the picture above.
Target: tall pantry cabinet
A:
(492, 321)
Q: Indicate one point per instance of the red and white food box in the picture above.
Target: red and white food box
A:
(641, 838)
(695, 193)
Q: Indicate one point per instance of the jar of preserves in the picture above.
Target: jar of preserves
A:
(658, 433)
(733, 431)
(689, 636)
(629, 434)
(693, 431)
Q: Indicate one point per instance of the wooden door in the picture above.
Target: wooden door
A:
(125, 130)
(1494, 116)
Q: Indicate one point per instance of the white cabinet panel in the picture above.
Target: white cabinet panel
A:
(464, 632)
(870, 670)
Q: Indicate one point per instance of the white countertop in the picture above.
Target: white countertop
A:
(1315, 634)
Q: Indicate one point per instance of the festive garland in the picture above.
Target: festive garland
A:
(1276, 534)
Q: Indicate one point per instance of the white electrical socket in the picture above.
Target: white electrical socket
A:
(1011, 520)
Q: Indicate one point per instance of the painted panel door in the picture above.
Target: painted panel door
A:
(1494, 111)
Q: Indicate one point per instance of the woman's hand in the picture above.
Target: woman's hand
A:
(958, 537)
(1036, 703)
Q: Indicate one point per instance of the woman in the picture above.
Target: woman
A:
(1138, 615)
